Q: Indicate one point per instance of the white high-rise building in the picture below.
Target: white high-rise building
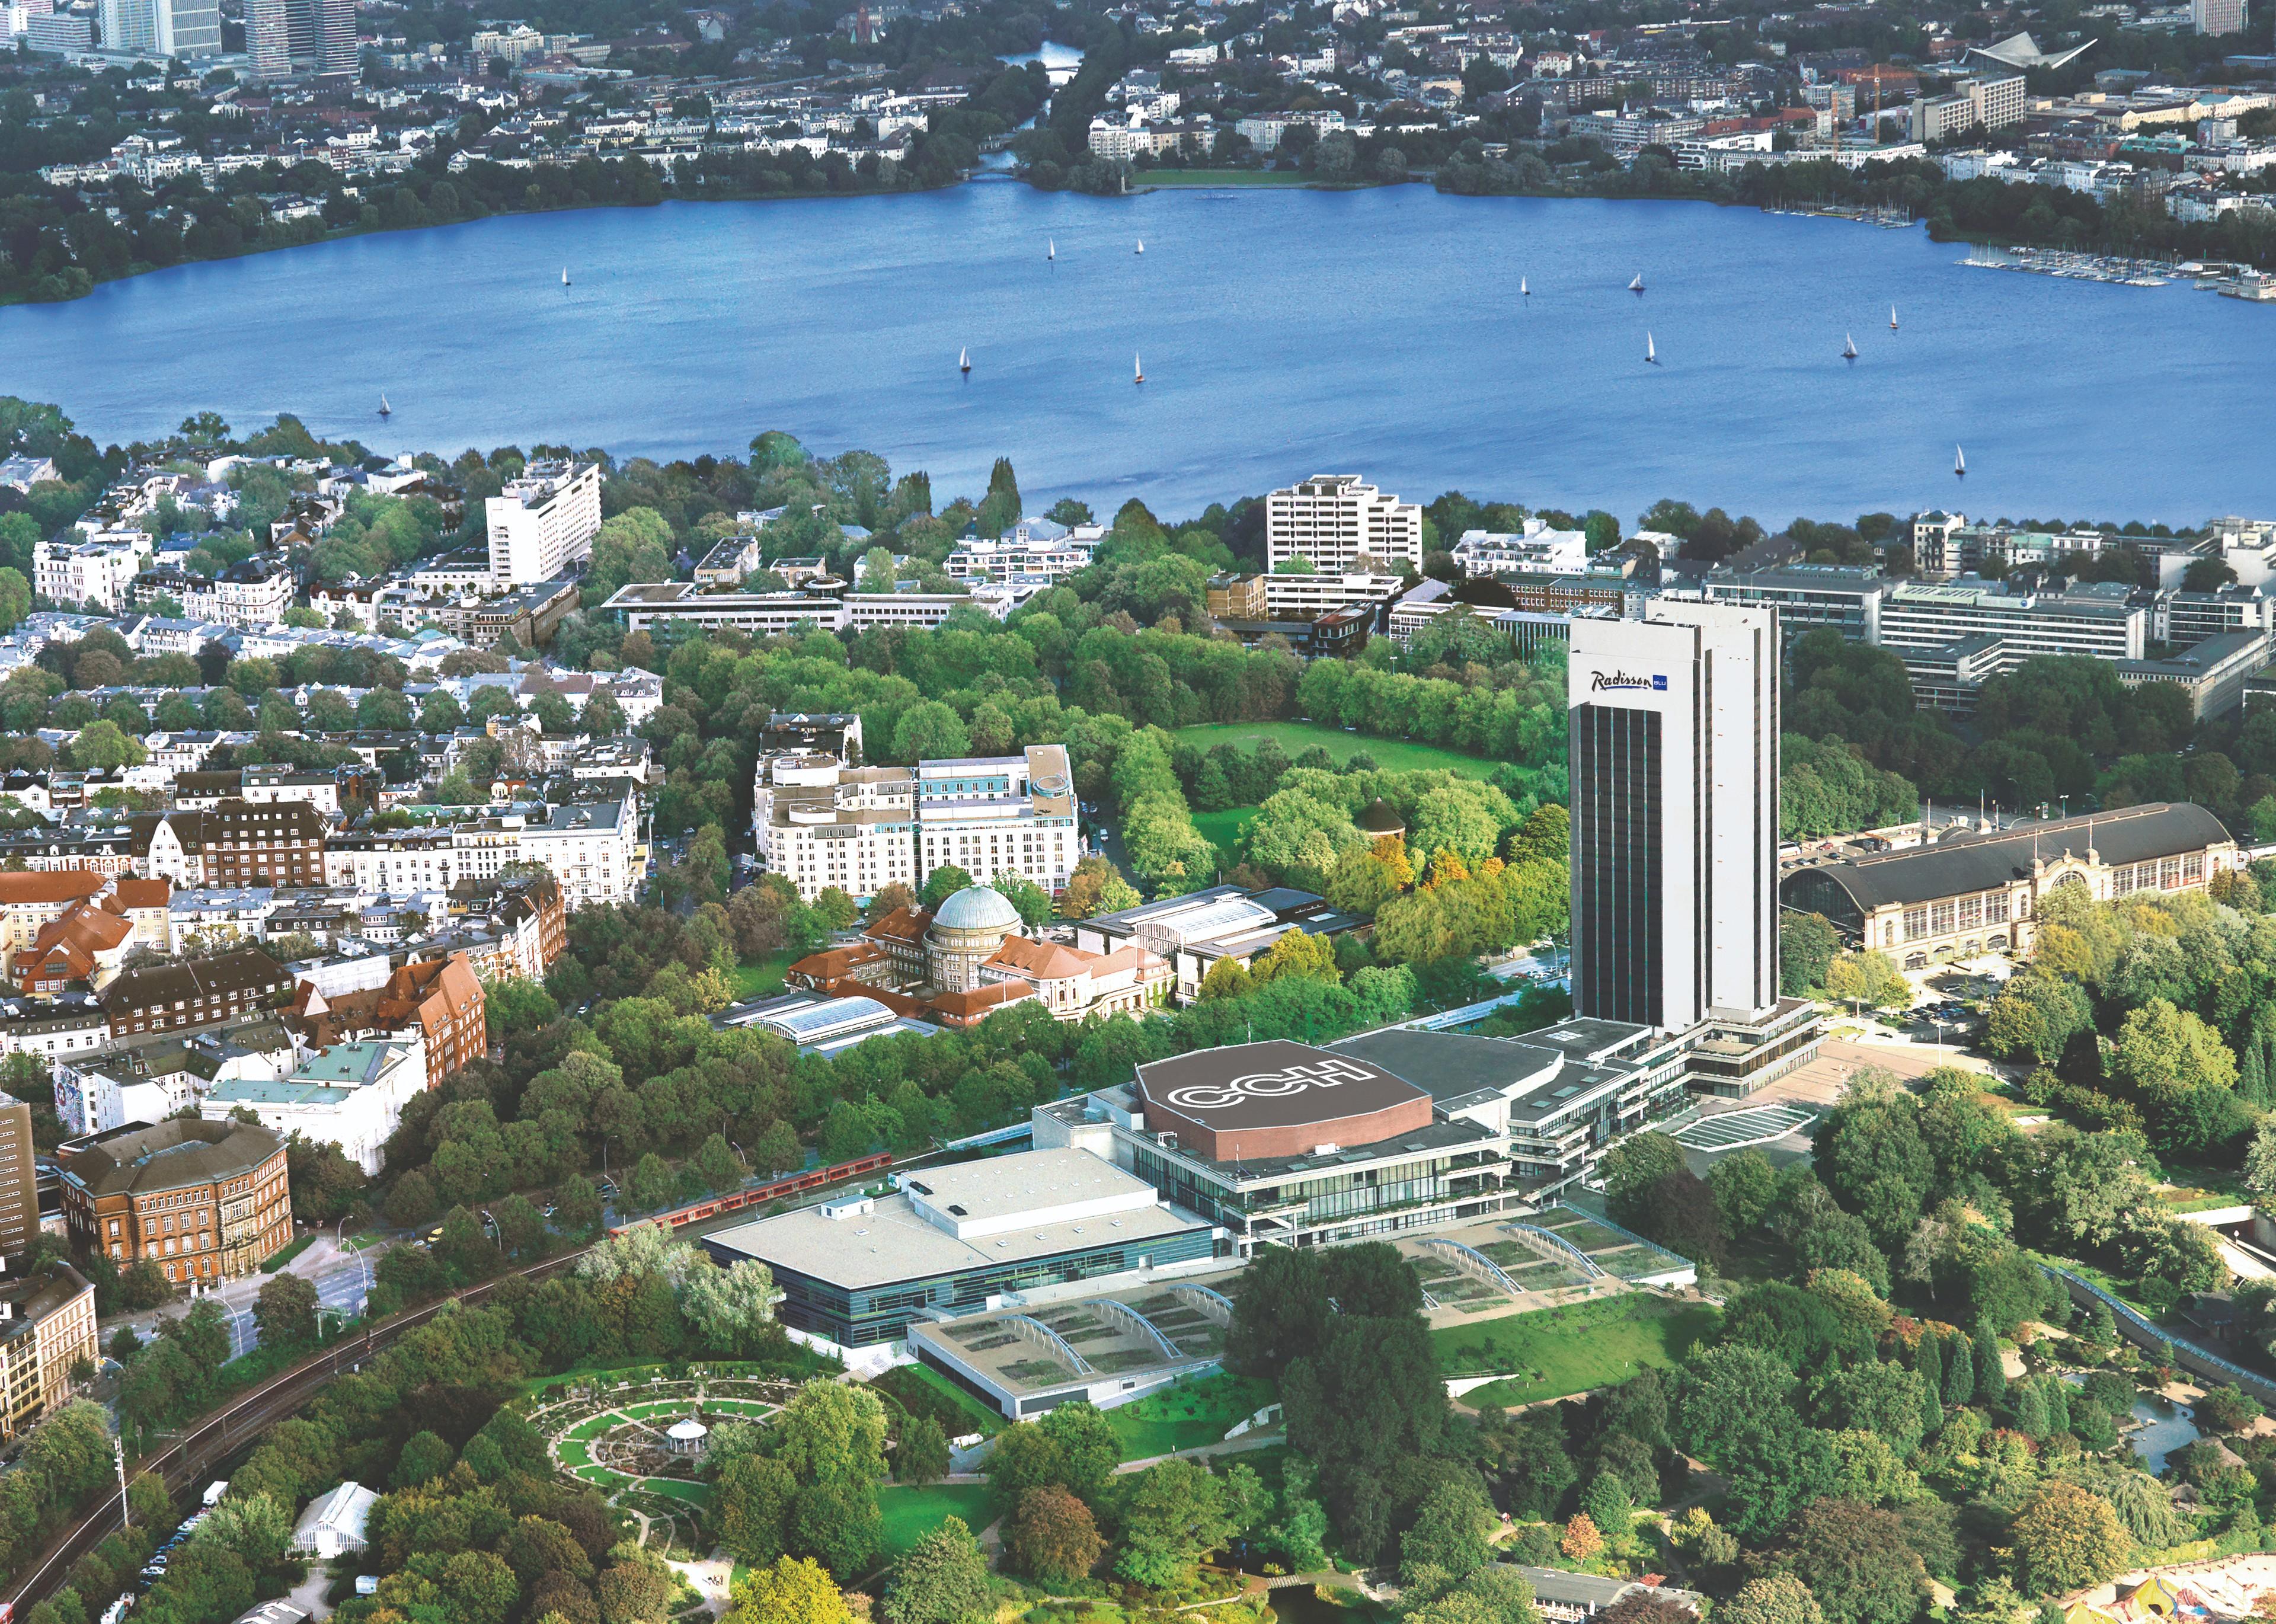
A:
(544, 521)
(128, 25)
(1674, 789)
(188, 27)
(990, 815)
(1335, 520)
(2214, 17)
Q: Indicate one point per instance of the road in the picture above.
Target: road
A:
(342, 1279)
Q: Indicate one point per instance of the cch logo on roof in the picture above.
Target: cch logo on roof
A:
(1268, 1085)
(1601, 681)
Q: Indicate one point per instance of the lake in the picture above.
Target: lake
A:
(1282, 332)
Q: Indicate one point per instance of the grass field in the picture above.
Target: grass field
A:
(1554, 1353)
(1393, 754)
(762, 976)
(284, 1255)
(1223, 829)
(1188, 1416)
(910, 1515)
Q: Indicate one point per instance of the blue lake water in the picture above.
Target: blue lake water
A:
(1283, 333)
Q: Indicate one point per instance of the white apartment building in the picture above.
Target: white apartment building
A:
(350, 1094)
(1308, 597)
(248, 595)
(1930, 615)
(1336, 520)
(647, 604)
(589, 849)
(69, 570)
(1536, 550)
(820, 823)
(2213, 18)
(543, 522)
(986, 815)
(1033, 547)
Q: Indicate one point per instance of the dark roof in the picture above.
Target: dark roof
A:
(179, 1152)
(1962, 864)
(247, 969)
(1270, 1084)
(1379, 818)
(1456, 1069)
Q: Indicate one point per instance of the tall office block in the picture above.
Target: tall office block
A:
(19, 1190)
(284, 37)
(188, 27)
(1675, 758)
(129, 25)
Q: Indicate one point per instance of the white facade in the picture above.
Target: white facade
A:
(1308, 597)
(545, 521)
(245, 596)
(990, 815)
(819, 824)
(71, 571)
(351, 1094)
(1335, 520)
(1536, 550)
(589, 850)
(1928, 615)
(1674, 792)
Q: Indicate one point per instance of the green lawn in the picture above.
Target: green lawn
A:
(756, 979)
(673, 1488)
(1554, 1353)
(1188, 1416)
(283, 1254)
(911, 1514)
(1225, 829)
(1393, 754)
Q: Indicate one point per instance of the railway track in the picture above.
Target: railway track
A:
(215, 1435)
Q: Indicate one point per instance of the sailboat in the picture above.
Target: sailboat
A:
(1142, 244)
(1052, 252)
(385, 410)
(1650, 351)
(1849, 347)
(1892, 318)
(1636, 284)
(1523, 290)
(1139, 368)
(1959, 462)
(964, 361)
(564, 276)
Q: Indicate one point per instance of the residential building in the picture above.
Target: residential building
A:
(543, 521)
(987, 815)
(175, 998)
(1339, 524)
(85, 946)
(350, 1094)
(31, 901)
(1980, 892)
(19, 1191)
(819, 824)
(1972, 104)
(72, 570)
(264, 785)
(1538, 549)
(207, 1200)
(1675, 752)
(248, 595)
(237, 843)
(1032, 547)
(437, 1002)
(202, 922)
(288, 37)
(589, 848)
(71, 1024)
(1930, 615)
(47, 1327)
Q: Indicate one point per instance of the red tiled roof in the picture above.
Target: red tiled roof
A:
(52, 886)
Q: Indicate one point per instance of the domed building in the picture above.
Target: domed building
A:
(967, 932)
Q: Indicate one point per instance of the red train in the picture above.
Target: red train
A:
(760, 1195)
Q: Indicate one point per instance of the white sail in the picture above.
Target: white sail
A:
(1892, 318)
(385, 410)
(564, 276)
(1959, 461)
(1142, 244)
(1138, 367)
(1052, 252)
(964, 360)
(1849, 346)
(1636, 286)
(1650, 351)
(1522, 289)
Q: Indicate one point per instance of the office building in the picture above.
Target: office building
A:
(990, 815)
(47, 1326)
(2213, 673)
(1807, 597)
(206, 1199)
(20, 1194)
(543, 521)
(819, 824)
(2099, 621)
(2183, 619)
(1981, 892)
(1340, 524)
(1675, 753)
(1989, 103)
(128, 25)
(188, 27)
(285, 37)
(856, 1272)
(2215, 18)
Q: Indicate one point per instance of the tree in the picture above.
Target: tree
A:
(1868, 978)
(2067, 1538)
(1857, 1563)
(1745, 1186)
(1051, 1536)
(1807, 943)
(1451, 1538)
(1172, 1515)
(425, 1457)
(795, 1590)
(924, 1455)
(1089, 1449)
(1775, 1599)
(101, 745)
(941, 884)
(1581, 1541)
(1299, 954)
(256, 1527)
(943, 1579)
(285, 1311)
(1633, 1167)
(756, 1494)
(732, 1309)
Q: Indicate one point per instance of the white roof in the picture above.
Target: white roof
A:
(343, 1511)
